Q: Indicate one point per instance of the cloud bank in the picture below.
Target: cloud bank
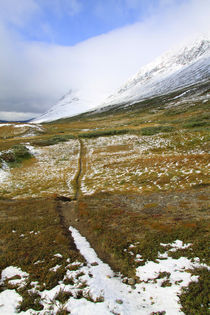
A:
(34, 75)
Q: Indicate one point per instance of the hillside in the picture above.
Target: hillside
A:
(175, 70)
(134, 181)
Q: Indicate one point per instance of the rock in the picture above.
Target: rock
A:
(119, 301)
(125, 280)
(94, 264)
(63, 198)
(131, 281)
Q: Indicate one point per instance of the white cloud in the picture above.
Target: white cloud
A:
(16, 116)
(34, 75)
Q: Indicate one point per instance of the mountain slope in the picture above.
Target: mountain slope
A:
(173, 71)
(71, 104)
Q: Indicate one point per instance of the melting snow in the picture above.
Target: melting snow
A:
(105, 292)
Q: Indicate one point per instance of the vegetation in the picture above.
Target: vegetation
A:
(195, 298)
(31, 235)
(199, 121)
(53, 140)
(149, 131)
(16, 155)
(102, 133)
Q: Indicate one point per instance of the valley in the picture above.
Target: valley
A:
(134, 181)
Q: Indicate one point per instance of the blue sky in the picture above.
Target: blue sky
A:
(51, 46)
(68, 22)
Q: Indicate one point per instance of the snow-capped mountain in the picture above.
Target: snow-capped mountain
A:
(175, 70)
(170, 72)
(73, 103)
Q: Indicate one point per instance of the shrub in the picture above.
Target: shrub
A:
(199, 121)
(102, 133)
(16, 155)
(53, 140)
(21, 152)
(149, 131)
(194, 298)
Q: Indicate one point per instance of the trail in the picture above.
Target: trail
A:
(70, 202)
(77, 180)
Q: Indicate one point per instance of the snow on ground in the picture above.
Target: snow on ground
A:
(95, 289)
(4, 172)
(3, 125)
(9, 300)
(4, 175)
(51, 172)
(23, 126)
(136, 163)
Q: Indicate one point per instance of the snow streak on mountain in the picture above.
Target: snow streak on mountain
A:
(175, 70)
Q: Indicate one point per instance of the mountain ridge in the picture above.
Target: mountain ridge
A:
(174, 70)
(167, 73)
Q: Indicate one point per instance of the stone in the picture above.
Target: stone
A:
(131, 281)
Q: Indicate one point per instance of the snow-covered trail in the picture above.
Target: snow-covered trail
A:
(95, 289)
(118, 297)
(150, 294)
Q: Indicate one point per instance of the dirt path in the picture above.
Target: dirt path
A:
(79, 171)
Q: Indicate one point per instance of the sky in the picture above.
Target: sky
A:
(51, 46)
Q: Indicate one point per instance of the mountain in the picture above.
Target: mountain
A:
(71, 104)
(175, 70)
(171, 72)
